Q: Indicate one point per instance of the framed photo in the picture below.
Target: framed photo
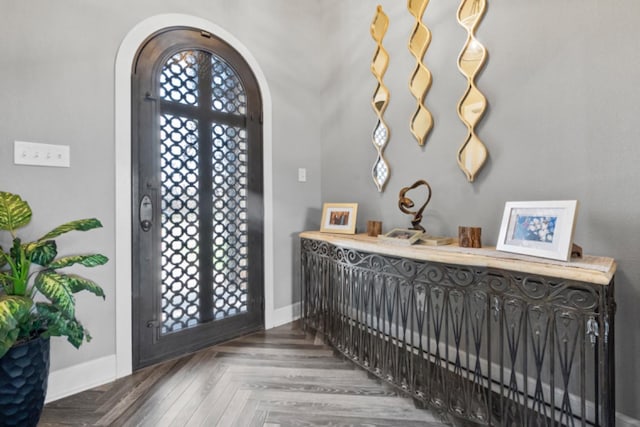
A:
(401, 236)
(543, 229)
(339, 218)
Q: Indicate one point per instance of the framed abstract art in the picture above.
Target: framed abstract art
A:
(543, 229)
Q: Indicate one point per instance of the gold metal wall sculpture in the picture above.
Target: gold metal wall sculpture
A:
(405, 203)
(420, 82)
(380, 98)
(472, 154)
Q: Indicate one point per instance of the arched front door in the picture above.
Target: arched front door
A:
(197, 195)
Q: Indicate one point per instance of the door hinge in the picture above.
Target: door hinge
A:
(149, 97)
(255, 117)
(153, 324)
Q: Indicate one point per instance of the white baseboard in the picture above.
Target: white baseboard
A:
(621, 419)
(625, 421)
(285, 315)
(74, 379)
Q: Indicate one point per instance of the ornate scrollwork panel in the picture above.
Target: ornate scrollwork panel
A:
(481, 343)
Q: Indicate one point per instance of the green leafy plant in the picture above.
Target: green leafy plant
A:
(30, 269)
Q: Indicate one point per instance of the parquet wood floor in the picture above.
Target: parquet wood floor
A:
(279, 377)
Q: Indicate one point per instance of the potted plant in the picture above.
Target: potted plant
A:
(36, 302)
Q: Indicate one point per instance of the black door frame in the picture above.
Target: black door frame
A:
(229, 327)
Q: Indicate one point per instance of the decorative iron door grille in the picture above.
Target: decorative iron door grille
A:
(190, 168)
(200, 169)
(495, 347)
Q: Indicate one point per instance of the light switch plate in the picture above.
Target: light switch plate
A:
(37, 154)
(302, 175)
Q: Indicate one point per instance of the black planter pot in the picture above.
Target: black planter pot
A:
(24, 371)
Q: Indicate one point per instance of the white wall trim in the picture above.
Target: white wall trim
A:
(286, 314)
(71, 380)
(74, 379)
(625, 421)
(124, 61)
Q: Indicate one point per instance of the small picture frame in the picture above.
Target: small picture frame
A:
(543, 229)
(339, 218)
(401, 236)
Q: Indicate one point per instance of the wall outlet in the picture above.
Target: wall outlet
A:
(36, 154)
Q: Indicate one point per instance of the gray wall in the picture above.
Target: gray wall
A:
(560, 124)
(562, 87)
(57, 86)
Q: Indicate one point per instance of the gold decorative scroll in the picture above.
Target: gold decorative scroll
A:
(472, 154)
(380, 98)
(420, 82)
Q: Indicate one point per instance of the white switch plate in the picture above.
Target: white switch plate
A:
(302, 175)
(36, 154)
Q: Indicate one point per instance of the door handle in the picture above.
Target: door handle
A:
(146, 213)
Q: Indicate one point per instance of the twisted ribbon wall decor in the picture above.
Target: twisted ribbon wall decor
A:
(420, 82)
(472, 154)
(380, 99)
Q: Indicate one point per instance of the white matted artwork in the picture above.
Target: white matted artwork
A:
(339, 218)
(542, 228)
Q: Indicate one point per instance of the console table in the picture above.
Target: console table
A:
(495, 338)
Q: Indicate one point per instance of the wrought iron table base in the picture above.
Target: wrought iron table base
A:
(495, 347)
